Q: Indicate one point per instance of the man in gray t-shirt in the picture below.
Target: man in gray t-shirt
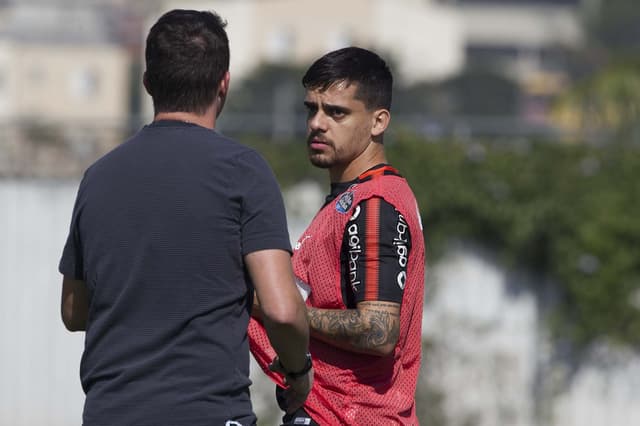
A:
(171, 233)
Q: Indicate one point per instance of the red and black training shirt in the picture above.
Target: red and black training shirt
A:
(375, 247)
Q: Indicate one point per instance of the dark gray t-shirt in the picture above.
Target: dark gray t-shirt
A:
(159, 230)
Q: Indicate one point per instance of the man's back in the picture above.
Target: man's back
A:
(168, 232)
(164, 222)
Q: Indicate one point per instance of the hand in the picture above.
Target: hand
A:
(297, 389)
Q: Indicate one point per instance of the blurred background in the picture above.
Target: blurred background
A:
(517, 123)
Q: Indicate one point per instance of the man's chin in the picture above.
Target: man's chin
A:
(319, 161)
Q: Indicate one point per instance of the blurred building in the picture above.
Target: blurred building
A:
(69, 69)
(526, 40)
(60, 65)
(421, 38)
(64, 80)
(529, 43)
(426, 40)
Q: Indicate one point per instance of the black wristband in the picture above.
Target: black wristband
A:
(296, 374)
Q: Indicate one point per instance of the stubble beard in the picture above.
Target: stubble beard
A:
(320, 161)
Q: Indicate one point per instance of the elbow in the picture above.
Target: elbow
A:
(74, 304)
(386, 350)
(382, 350)
(73, 327)
(72, 323)
(288, 315)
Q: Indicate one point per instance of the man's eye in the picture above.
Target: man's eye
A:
(337, 113)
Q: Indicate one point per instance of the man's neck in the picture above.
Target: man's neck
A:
(208, 119)
(372, 156)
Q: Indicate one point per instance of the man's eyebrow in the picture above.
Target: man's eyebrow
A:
(335, 107)
(327, 106)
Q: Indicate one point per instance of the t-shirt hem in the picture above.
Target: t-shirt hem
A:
(262, 244)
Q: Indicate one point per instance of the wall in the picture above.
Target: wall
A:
(488, 351)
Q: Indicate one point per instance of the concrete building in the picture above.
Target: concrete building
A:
(523, 39)
(422, 37)
(60, 65)
(426, 40)
(64, 86)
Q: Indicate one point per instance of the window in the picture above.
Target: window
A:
(280, 45)
(338, 39)
(84, 83)
(36, 75)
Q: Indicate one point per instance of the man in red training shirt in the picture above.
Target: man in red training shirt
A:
(361, 258)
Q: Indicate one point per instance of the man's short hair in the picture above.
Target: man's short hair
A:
(187, 55)
(353, 65)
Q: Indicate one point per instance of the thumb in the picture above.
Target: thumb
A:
(275, 366)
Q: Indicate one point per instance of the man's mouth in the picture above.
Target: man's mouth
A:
(317, 143)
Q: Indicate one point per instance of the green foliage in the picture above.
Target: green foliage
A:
(613, 25)
(462, 95)
(607, 102)
(568, 212)
(288, 161)
(258, 92)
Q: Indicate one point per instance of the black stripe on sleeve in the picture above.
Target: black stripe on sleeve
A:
(393, 245)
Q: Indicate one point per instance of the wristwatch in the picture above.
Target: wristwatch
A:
(296, 374)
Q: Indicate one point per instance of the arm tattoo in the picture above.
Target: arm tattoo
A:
(362, 329)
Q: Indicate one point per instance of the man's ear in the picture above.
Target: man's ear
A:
(145, 83)
(381, 119)
(223, 90)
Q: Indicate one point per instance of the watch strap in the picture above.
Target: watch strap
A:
(297, 374)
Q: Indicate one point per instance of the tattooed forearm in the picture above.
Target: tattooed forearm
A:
(372, 328)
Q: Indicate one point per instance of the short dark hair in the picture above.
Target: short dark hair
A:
(353, 65)
(187, 55)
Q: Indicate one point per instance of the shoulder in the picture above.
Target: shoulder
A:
(390, 188)
(393, 190)
(375, 208)
(250, 162)
(106, 161)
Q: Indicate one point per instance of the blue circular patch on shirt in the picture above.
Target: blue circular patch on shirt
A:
(345, 202)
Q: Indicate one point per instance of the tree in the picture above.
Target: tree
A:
(474, 92)
(605, 105)
(268, 101)
(612, 25)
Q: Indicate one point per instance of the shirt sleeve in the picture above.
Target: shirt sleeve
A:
(71, 263)
(263, 218)
(375, 252)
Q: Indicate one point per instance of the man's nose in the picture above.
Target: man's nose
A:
(318, 121)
